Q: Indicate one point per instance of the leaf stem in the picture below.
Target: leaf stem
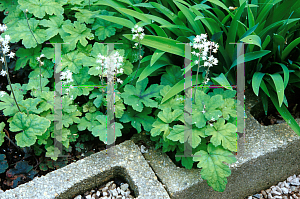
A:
(29, 27)
(11, 140)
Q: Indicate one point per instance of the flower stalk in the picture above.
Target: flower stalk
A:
(40, 64)
(5, 48)
(140, 35)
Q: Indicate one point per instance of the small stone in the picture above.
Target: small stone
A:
(104, 189)
(264, 194)
(285, 197)
(250, 197)
(119, 190)
(109, 183)
(277, 197)
(293, 188)
(114, 192)
(78, 197)
(113, 186)
(284, 190)
(278, 189)
(94, 195)
(270, 196)
(98, 193)
(127, 193)
(119, 197)
(295, 197)
(258, 195)
(295, 182)
(122, 192)
(275, 192)
(268, 191)
(124, 187)
(105, 193)
(88, 197)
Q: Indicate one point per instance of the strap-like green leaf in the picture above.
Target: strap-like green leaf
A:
(117, 20)
(249, 57)
(277, 79)
(150, 69)
(289, 48)
(252, 39)
(256, 81)
(156, 55)
(286, 115)
(180, 87)
(222, 80)
(160, 43)
(232, 31)
(197, 26)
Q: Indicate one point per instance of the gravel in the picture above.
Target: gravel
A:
(109, 191)
(288, 189)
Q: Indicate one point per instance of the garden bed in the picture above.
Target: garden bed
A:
(262, 160)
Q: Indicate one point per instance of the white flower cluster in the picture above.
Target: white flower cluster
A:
(39, 59)
(5, 47)
(139, 33)
(67, 76)
(204, 46)
(2, 93)
(3, 72)
(112, 65)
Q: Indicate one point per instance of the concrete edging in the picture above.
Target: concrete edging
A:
(126, 161)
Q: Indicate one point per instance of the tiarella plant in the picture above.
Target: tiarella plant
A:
(154, 57)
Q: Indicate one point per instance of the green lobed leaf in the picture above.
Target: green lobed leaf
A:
(31, 126)
(223, 133)
(78, 32)
(22, 32)
(104, 29)
(52, 152)
(26, 55)
(8, 104)
(2, 134)
(139, 96)
(41, 7)
(213, 168)
(100, 130)
(137, 119)
(54, 25)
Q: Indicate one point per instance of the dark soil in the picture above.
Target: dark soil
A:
(273, 116)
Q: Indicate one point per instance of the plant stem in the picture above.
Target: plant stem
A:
(12, 141)
(197, 80)
(8, 79)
